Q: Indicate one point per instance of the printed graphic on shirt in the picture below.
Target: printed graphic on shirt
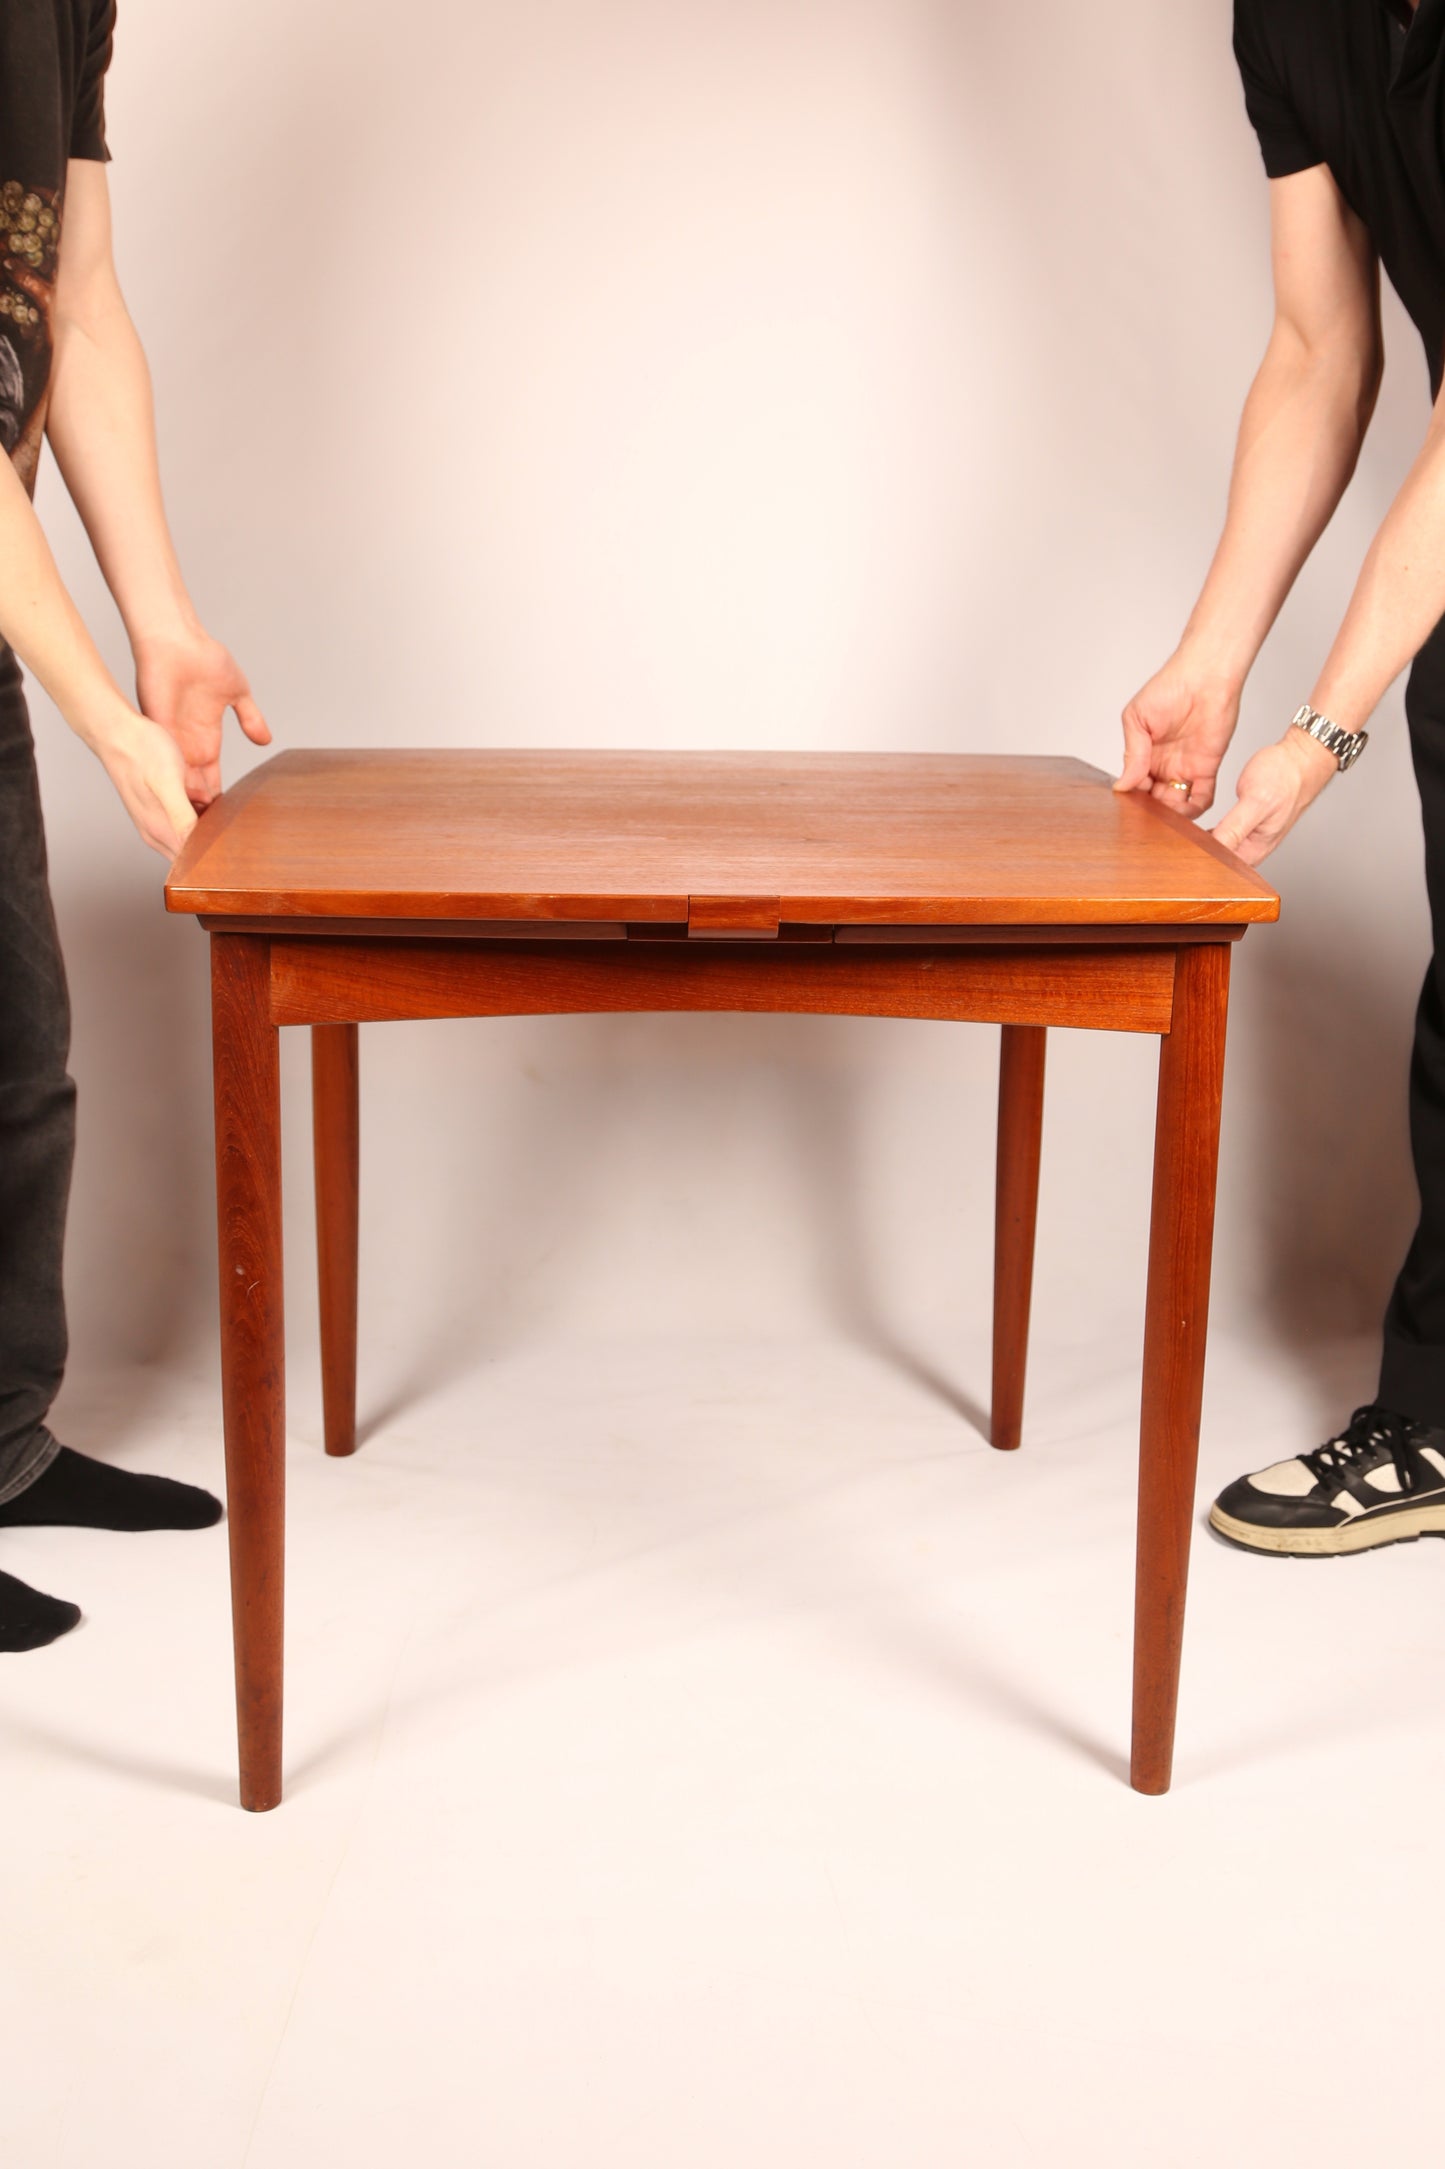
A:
(29, 255)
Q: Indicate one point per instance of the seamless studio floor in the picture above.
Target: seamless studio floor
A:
(706, 1754)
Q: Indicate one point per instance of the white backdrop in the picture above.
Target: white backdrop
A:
(673, 373)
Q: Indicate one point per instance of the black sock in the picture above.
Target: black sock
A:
(28, 1620)
(78, 1493)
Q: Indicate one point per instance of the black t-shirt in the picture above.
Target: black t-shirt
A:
(1344, 83)
(53, 58)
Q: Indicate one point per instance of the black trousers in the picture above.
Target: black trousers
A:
(1412, 1368)
(37, 1110)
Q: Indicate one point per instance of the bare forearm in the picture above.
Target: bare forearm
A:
(1303, 424)
(102, 430)
(1399, 597)
(1299, 440)
(43, 626)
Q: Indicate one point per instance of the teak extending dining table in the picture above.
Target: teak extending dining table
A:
(348, 888)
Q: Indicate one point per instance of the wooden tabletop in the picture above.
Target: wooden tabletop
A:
(718, 840)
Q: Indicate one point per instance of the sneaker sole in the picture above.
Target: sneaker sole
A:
(1353, 1535)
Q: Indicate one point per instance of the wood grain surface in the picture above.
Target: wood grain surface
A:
(336, 1137)
(253, 1345)
(998, 890)
(1181, 1239)
(1016, 1212)
(724, 841)
(376, 982)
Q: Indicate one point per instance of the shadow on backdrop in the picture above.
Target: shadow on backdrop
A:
(526, 1205)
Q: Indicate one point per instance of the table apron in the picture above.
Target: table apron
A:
(330, 981)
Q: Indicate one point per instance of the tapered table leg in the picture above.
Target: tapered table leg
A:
(336, 1123)
(248, 1185)
(1016, 1205)
(1186, 1157)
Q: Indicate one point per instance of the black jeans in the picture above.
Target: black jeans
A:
(37, 1110)
(1412, 1370)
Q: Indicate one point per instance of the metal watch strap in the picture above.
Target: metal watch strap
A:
(1346, 746)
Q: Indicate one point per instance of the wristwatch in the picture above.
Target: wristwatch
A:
(1346, 746)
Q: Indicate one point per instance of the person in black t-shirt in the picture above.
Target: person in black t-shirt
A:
(72, 371)
(1347, 98)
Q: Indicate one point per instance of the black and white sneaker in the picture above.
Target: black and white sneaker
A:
(1382, 1481)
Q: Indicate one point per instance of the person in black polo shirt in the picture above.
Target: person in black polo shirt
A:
(71, 369)
(1348, 100)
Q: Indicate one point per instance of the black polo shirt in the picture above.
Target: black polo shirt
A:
(1344, 83)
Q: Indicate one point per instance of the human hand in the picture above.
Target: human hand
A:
(147, 769)
(185, 683)
(1276, 786)
(1178, 727)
